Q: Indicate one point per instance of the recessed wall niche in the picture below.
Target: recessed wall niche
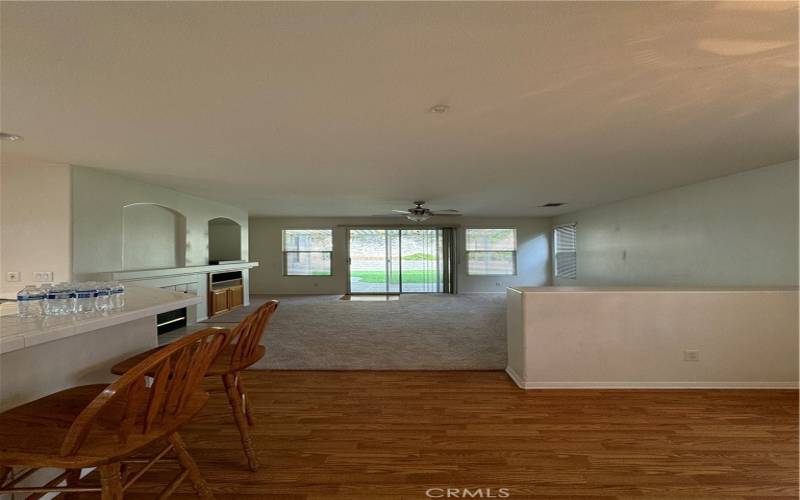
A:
(153, 237)
(224, 240)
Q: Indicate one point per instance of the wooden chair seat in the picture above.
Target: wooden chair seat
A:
(106, 425)
(241, 351)
(31, 434)
(220, 366)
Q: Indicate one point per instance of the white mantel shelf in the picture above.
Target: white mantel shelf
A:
(20, 333)
(180, 271)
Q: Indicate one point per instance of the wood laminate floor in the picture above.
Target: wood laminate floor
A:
(394, 435)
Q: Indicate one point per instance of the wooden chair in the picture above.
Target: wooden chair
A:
(104, 426)
(243, 349)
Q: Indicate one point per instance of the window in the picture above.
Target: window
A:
(491, 252)
(307, 252)
(564, 249)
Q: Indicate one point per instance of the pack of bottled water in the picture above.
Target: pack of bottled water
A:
(63, 299)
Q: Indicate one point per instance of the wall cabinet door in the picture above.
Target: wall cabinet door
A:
(235, 297)
(219, 301)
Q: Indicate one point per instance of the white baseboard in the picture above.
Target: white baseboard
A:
(515, 377)
(648, 385)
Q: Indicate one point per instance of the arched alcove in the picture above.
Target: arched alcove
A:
(224, 240)
(153, 237)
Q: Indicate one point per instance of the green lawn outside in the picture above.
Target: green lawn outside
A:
(410, 276)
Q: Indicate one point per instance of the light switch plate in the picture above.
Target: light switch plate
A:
(43, 276)
(13, 276)
(691, 355)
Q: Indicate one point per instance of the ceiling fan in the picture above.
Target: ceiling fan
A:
(420, 213)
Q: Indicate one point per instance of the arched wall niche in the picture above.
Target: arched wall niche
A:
(153, 237)
(224, 240)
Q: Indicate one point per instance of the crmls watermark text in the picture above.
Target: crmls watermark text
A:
(467, 493)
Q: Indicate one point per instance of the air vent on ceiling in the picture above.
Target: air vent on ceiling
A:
(551, 204)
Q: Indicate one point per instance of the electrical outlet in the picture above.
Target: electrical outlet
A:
(497, 283)
(13, 276)
(43, 276)
(691, 355)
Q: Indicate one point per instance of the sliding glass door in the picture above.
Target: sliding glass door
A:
(391, 260)
(421, 260)
(374, 261)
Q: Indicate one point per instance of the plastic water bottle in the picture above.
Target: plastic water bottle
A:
(30, 301)
(60, 300)
(85, 295)
(103, 300)
(117, 295)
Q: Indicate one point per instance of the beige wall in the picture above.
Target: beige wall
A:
(35, 207)
(533, 265)
(152, 237)
(99, 198)
(739, 230)
(637, 338)
(224, 240)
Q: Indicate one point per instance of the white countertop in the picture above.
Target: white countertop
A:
(140, 302)
(639, 289)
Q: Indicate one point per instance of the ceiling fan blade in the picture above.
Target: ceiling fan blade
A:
(448, 211)
(400, 211)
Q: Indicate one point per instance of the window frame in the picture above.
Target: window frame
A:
(512, 252)
(285, 253)
(555, 250)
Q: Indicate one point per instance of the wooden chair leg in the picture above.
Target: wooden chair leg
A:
(4, 472)
(248, 408)
(241, 420)
(110, 482)
(188, 463)
(73, 478)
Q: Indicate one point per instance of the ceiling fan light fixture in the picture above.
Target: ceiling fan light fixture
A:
(418, 217)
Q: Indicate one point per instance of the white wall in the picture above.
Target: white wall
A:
(152, 237)
(567, 337)
(739, 230)
(533, 265)
(35, 201)
(97, 232)
(224, 240)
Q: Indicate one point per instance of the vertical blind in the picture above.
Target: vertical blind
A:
(565, 251)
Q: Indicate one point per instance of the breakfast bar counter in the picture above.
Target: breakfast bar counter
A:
(39, 356)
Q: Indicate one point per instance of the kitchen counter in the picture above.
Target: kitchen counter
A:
(42, 356)
(140, 302)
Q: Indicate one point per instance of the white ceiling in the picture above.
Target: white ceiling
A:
(321, 108)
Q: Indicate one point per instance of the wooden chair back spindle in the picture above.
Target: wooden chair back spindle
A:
(246, 337)
(176, 373)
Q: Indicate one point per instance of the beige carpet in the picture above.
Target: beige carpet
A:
(417, 332)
